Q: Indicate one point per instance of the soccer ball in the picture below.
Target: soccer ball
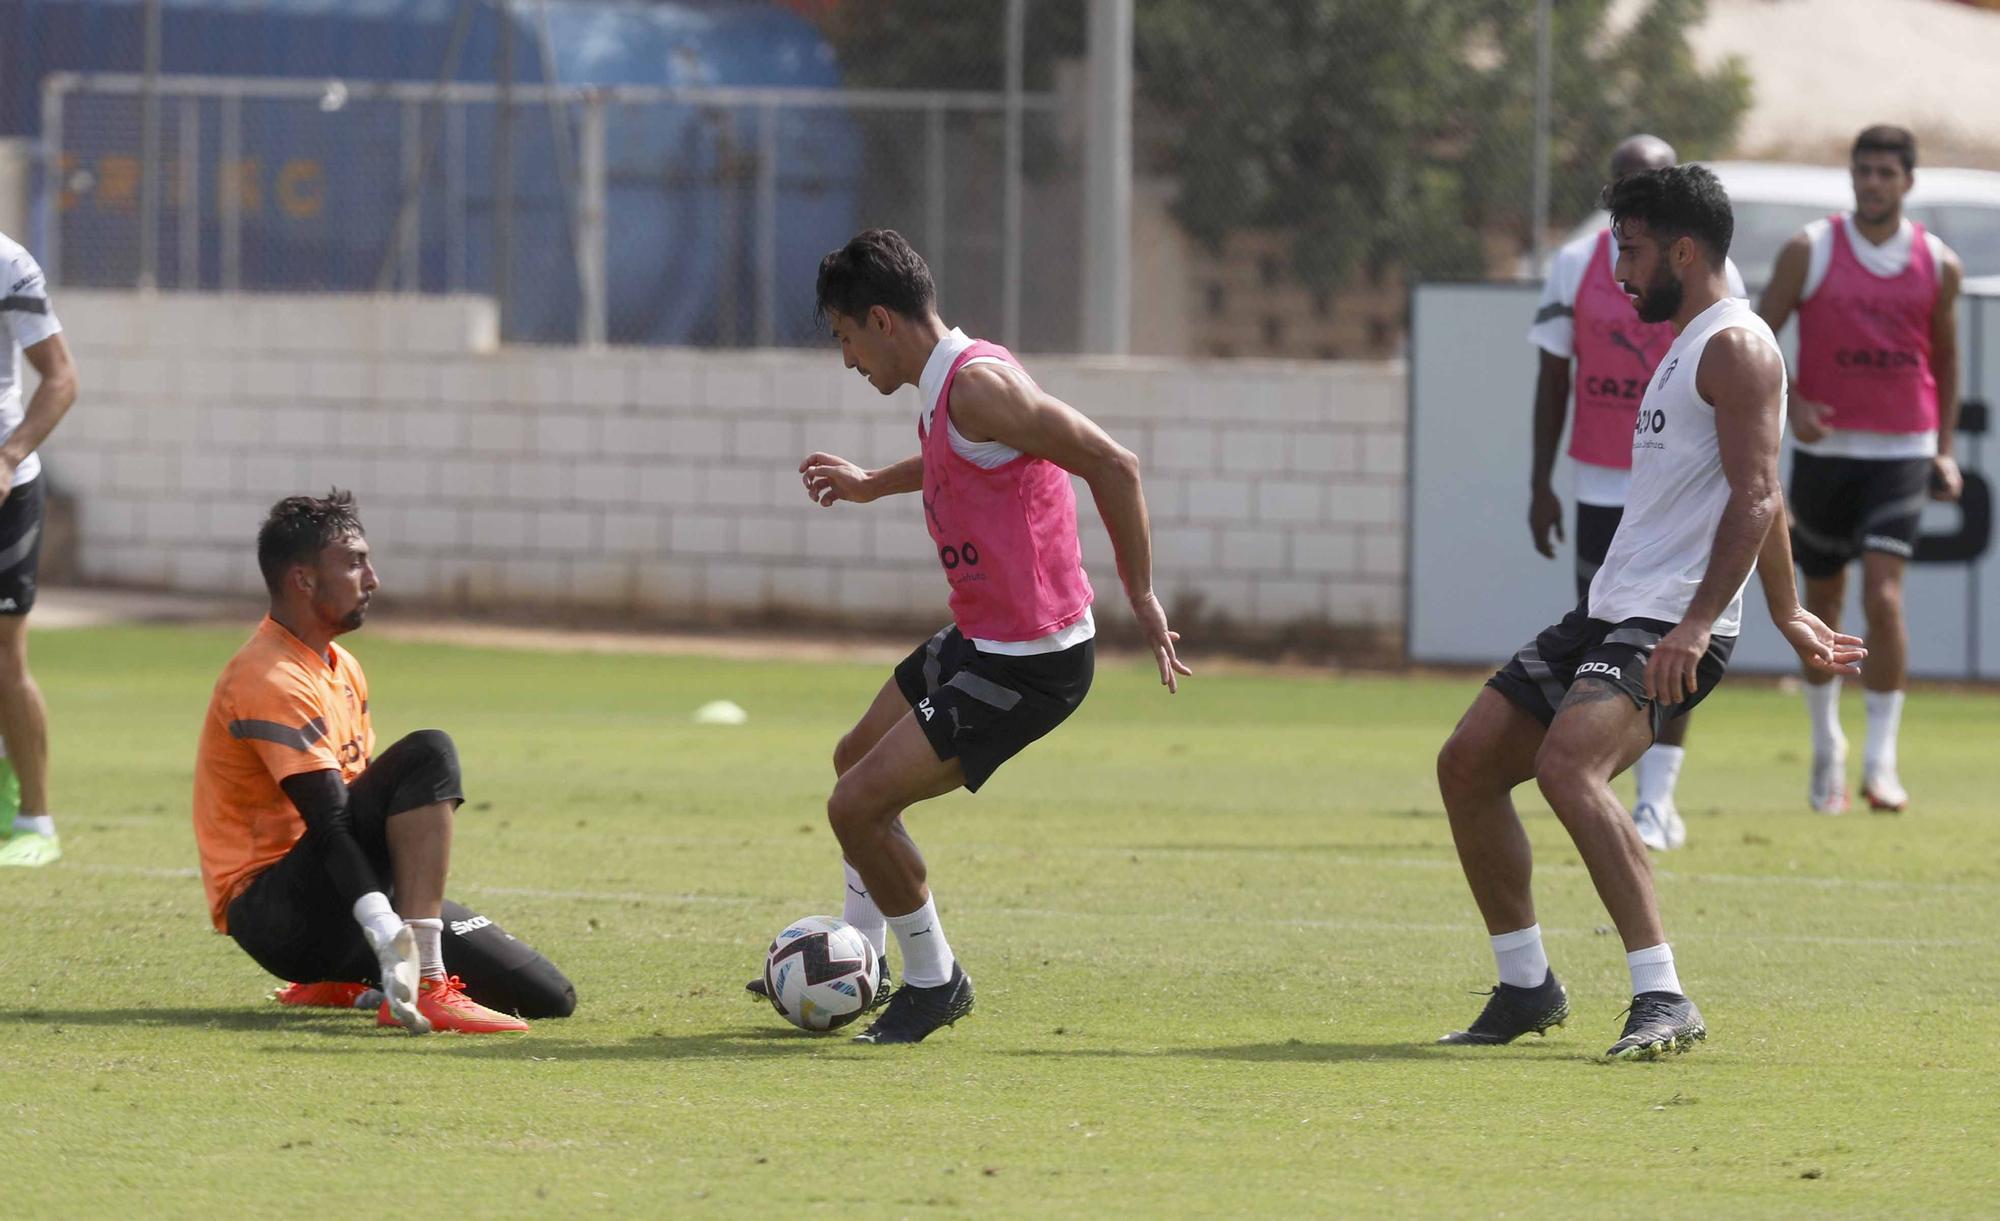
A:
(820, 973)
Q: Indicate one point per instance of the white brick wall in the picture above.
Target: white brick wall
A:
(665, 481)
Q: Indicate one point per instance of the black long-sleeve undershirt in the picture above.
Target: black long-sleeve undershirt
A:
(321, 799)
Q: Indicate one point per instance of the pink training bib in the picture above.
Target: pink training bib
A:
(1006, 537)
(1865, 341)
(1615, 358)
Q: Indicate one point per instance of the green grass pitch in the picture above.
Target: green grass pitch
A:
(1213, 936)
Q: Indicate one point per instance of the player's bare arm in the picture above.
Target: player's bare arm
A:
(1551, 408)
(830, 479)
(1740, 377)
(1820, 647)
(52, 399)
(991, 403)
(1776, 306)
(1946, 481)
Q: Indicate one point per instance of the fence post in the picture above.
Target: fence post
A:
(188, 150)
(229, 195)
(934, 218)
(590, 238)
(149, 153)
(53, 183)
(409, 215)
(767, 224)
(1010, 197)
(455, 241)
(1538, 218)
(1107, 187)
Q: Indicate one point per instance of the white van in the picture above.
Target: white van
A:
(1774, 201)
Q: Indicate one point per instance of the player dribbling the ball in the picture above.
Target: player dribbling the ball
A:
(993, 469)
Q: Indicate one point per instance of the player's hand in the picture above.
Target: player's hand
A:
(1823, 650)
(829, 479)
(397, 966)
(1152, 619)
(1545, 513)
(1946, 479)
(1674, 669)
(1810, 420)
(7, 468)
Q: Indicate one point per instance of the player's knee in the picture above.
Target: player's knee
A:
(1464, 765)
(1562, 772)
(846, 753)
(1882, 601)
(849, 811)
(434, 749)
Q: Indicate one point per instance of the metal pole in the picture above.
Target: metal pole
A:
(1010, 199)
(934, 218)
(1538, 215)
(503, 171)
(149, 153)
(409, 218)
(188, 150)
(1107, 155)
(53, 182)
(455, 243)
(590, 243)
(229, 195)
(767, 225)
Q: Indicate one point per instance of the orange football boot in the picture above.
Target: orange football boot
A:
(327, 996)
(447, 1006)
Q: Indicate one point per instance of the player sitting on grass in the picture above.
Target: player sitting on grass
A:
(306, 835)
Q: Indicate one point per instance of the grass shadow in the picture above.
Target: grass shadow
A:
(710, 1045)
(233, 1018)
(1299, 1051)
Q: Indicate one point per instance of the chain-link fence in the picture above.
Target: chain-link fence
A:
(671, 172)
(636, 215)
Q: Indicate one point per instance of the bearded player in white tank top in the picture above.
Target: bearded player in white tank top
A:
(1587, 697)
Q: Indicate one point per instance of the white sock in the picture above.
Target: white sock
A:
(859, 910)
(1823, 706)
(1653, 969)
(430, 946)
(926, 954)
(38, 824)
(1523, 962)
(1885, 718)
(1658, 770)
(372, 912)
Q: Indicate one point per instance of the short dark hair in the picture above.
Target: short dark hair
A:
(1675, 202)
(877, 267)
(299, 528)
(1883, 138)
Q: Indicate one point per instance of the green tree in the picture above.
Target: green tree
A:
(1376, 134)
(1383, 133)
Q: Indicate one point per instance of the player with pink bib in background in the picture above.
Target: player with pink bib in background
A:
(1587, 316)
(1874, 410)
(995, 456)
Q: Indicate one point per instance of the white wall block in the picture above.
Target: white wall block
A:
(1218, 500)
(667, 480)
(633, 534)
(830, 534)
(1285, 500)
(703, 534)
(1258, 550)
(1324, 550)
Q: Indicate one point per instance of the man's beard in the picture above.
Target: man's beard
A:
(1661, 299)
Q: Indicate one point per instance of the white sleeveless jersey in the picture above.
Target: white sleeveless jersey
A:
(25, 320)
(1661, 551)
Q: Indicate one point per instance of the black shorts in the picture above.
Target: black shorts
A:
(984, 708)
(1595, 524)
(1541, 674)
(296, 925)
(20, 547)
(1842, 507)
